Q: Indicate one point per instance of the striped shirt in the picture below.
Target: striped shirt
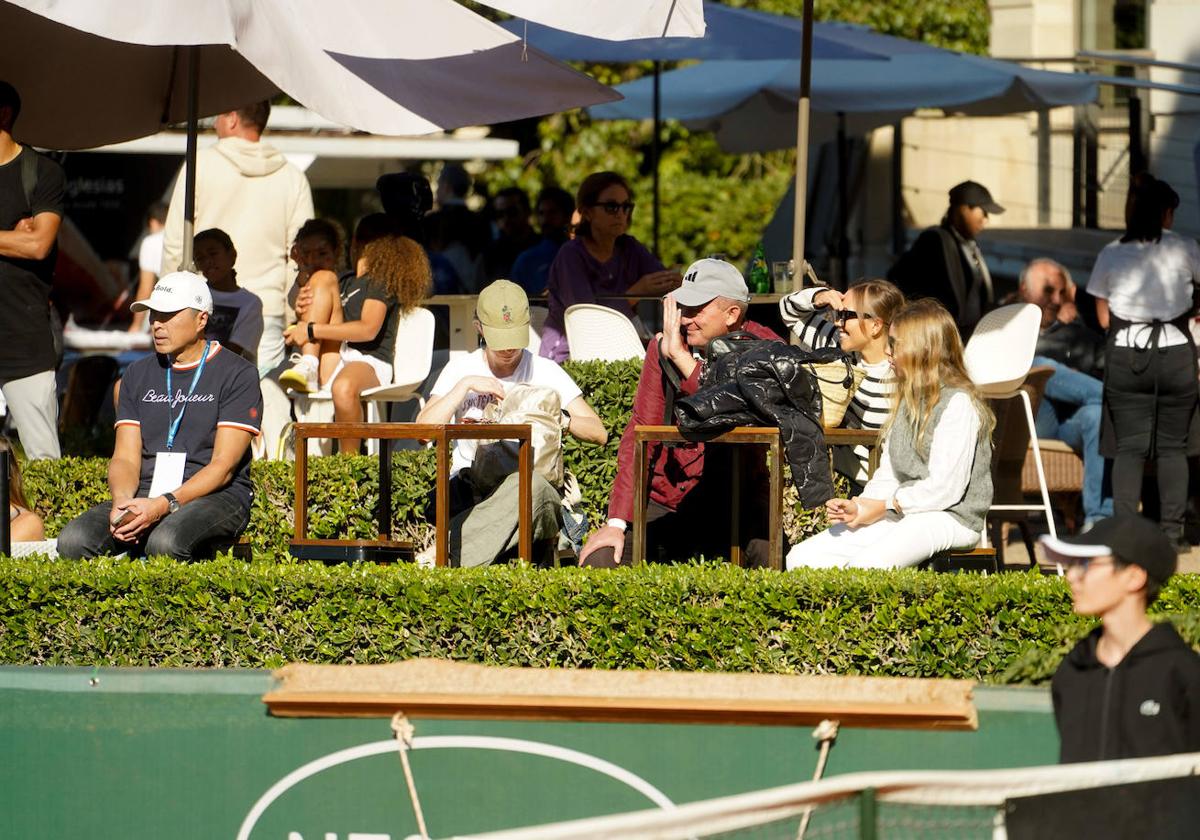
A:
(872, 402)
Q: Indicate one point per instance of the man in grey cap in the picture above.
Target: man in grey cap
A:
(686, 494)
(945, 262)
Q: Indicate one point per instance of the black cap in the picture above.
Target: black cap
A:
(1133, 540)
(973, 194)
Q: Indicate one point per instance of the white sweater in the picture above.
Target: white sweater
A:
(872, 402)
(251, 192)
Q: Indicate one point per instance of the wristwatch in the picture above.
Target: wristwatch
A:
(172, 502)
(311, 337)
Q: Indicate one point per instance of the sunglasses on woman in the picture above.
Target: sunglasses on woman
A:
(612, 208)
(841, 316)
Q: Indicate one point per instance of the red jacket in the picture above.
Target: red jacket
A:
(683, 462)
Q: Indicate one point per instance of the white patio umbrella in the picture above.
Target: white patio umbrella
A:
(612, 20)
(93, 72)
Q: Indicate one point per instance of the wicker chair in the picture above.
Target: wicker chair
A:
(1064, 478)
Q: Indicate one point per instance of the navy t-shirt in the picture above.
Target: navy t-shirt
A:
(28, 345)
(227, 394)
(356, 291)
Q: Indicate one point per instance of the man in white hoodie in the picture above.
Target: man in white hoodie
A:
(247, 188)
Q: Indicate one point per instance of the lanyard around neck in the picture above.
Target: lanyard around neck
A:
(173, 424)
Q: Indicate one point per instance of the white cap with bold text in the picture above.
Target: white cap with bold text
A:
(179, 290)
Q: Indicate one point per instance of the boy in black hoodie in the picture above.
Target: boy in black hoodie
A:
(1131, 687)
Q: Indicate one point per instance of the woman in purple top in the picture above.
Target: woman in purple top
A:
(601, 260)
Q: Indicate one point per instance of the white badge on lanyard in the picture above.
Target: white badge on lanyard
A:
(169, 465)
(168, 472)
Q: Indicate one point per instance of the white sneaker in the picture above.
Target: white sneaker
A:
(426, 558)
(302, 376)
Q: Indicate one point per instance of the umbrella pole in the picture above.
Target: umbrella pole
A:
(799, 222)
(843, 215)
(656, 147)
(189, 166)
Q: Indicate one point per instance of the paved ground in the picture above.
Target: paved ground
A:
(1015, 553)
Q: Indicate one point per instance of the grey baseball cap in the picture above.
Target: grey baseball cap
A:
(708, 278)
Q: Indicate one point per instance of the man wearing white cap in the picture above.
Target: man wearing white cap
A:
(688, 509)
(483, 523)
(180, 471)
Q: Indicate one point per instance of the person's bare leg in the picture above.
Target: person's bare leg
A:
(318, 359)
(326, 308)
(347, 390)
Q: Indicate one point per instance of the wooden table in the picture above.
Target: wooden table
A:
(442, 436)
(643, 435)
(858, 437)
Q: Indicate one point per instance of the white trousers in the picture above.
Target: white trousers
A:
(890, 543)
(33, 403)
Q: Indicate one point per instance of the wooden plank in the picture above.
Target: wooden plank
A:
(775, 516)
(640, 491)
(369, 543)
(741, 434)
(434, 688)
(525, 499)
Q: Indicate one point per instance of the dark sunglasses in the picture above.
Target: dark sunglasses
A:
(841, 316)
(612, 208)
(1083, 563)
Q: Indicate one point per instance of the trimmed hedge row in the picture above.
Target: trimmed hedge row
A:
(344, 490)
(226, 613)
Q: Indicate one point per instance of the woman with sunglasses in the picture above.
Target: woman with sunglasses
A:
(602, 262)
(933, 486)
(857, 322)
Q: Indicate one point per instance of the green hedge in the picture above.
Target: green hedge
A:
(344, 490)
(227, 613)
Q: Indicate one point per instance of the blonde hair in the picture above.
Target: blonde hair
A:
(878, 298)
(929, 357)
(401, 265)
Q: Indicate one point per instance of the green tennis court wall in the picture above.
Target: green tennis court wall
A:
(152, 753)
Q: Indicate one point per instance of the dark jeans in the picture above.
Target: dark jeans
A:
(221, 515)
(1071, 412)
(1152, 412)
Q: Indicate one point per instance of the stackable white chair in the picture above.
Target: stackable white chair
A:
(998, 358)
(598, 333)
(413, 356)
(537, 319)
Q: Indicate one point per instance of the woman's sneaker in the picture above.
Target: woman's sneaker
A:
(302, 376)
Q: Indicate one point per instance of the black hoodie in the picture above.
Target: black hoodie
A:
(1149, 704)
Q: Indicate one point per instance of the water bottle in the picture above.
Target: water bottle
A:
(760, 276)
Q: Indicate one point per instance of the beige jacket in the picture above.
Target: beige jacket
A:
(251, 192)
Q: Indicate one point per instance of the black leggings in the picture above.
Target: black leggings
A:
(1148, 426)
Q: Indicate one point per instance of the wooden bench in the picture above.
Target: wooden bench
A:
(983, 560)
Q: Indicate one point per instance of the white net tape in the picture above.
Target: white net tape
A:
(918, 804)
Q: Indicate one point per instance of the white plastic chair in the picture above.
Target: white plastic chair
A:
(411, 361)
(537, 320)
(598, 333)
(998, 358)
